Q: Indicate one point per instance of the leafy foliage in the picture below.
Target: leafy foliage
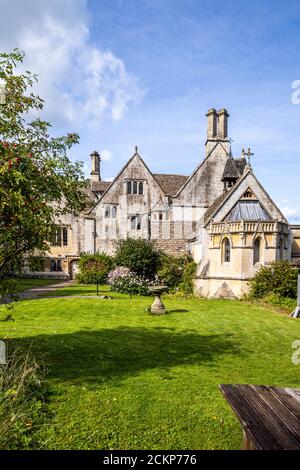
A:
(277, 301)
(170, 270)
(94, 268)
(187, 282)
(139, 256)
(280, 278)
(177, 272)
(36, 263)
(38, 182)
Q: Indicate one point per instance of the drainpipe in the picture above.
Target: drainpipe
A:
(94, 235)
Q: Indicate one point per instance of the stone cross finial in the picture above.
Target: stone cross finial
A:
(243, 153)
(249, 154)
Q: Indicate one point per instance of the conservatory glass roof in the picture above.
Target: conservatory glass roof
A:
(247, 210)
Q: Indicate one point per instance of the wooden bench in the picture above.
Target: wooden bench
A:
(270, 416)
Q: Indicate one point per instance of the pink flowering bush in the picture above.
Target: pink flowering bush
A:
(122, 279)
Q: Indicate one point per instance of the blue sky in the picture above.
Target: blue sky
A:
(144, 72)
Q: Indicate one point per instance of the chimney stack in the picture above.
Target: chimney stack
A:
(212, 123)
(223, 123)
(95, 173)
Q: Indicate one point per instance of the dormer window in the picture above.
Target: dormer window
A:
(135, 187)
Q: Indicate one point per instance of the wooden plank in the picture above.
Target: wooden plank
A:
(270, 416)
(278, 420)
(249, 417)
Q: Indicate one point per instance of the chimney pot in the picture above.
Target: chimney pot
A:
(223, 123)
(212, 122)
(95, 173)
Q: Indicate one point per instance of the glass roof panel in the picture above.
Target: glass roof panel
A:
(247, 210)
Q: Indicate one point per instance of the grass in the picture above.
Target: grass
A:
(22, 401)
(123, 379)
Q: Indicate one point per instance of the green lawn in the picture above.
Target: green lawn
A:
(123, 379)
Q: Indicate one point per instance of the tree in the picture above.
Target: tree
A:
(139, 256)
(38, 182)
(94, 268)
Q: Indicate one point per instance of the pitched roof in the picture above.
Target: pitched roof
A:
(211, 209)
(240, 163)
(100, 186)
(230, 171)
(170, 184)
(217, 204)
(199, 166)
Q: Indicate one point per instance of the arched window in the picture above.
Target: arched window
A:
(65, 236)
(256, 251)
(59, 268)
(53, 266)
(226, 250)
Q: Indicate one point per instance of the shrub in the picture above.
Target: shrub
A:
(122, 280)
(177, 272)
(94, 268)
(36, 263)
(279, 278)
(187, 283)
(170, 271)
(276, 300)
(139, 256)
(22, 401)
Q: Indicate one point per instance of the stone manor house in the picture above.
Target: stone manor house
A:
(220, 214)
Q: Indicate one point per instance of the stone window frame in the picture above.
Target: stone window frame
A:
(65, 236)
(257, 254)
(55, 265)
(226, 249)
(110, 211)
(135, 187)
(61, 236)
(136, 222)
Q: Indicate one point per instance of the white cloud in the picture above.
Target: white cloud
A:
(291, 213)
(106, 155)
(81, 83)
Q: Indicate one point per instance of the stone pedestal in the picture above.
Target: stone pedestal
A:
(157, 308)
